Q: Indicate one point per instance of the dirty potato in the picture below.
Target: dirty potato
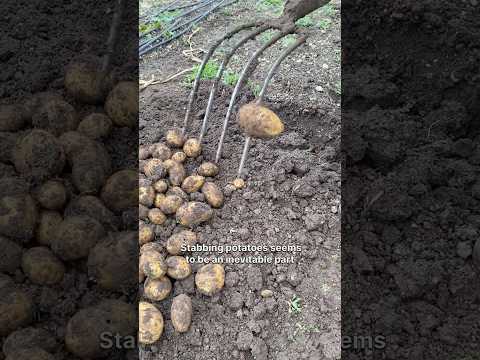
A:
(210, 279)
(181, 313)
(16, 309)
(176, 174)
(213, 194)
(193, 213)
(238, 183)
(161, 151)
(176, 190)
(47, 225)
(96, 126)
(178, 267)
(121, 190)
(42, 267)
(143, 212)
(160, 186)
(259, 122)
(29, 338)
(175, 138)
(150, 323)
(192, 148)
(154, 264)
(158, 200)
(145, 234)
(122, 104)
(193, 183)
(157, 289)
(167, 164)
(157, 217)
(208, 169)
(94, 207)
(56, 116)
(52, 195)
(12, 118)
(11, 257)
(154, 169)
(170, 204)
(144, 152)
(146, 195)
(177, 241)
(179, 157)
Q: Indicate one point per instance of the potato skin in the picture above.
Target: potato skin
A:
(193, 183)
(158, 200)
(29, 338)
(96, 126)
(157, 289)
(193, 213)
(213, 194)
(52, 195)
(11, 255)
(161, 151)
(150, 323)
(179, 157)
(92, 206)
(120, 192)
(175, 138)
(182, 238)
(176, 174)
(238, 183)
(154, 265)
(178, 267)
(16, 309)
(192, 148)
(210, 279)
(12, 118)
(154, 169)
(42, 267)
(160, 186)
(176, 190)
(170, 204)
(208, 169)
(146, 195)
(56, 116)
(35, 353)
(259, 122)
(181, 313)
(144, 152)
(145, 234)
(157, 217)
(122, 104)
(47, 225)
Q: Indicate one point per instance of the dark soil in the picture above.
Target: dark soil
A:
(410, 188)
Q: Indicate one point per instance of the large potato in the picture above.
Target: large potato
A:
(12, 118)
(157, 289)
(39, 155)
(42, 267)
(7, 145)
(76, 236)
(35, 353)
(176, 174)
(213, 194)
(121, 190)
(29, 338)
(157, 217)
(56, 116)
(208, 169)
(192, 148)
(181, 313)
(259, 122)
(94, 207)
(193, 183)
(193, 213)
(48, 223)
(145, 234)
(122, 104)
(96, 126)
(184, 238)
(210, 279)
(170, 204)
(150, 323)
(154, 169)
(11, 257)
(154, 265)
(146, 195)
(52, 195)
(16, 309)
(175, 138)
(178, 267)
(161, 151)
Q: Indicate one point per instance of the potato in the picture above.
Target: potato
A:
(259, 122)
(238, 183)
(39, 155)
(213, 194)
(143, 211)
(157, 289)
(182, 238)
(6, 282)
(113, 261)
(150, 323)
(176, 174)
(179, 157)
(29, 338)
(181, 313)
(157, 217)
(146, 195)
(161, 151)
(16, 309)
(47, 225)
(144, 152)
(154, 169)
(208, 169)
(178, 267)
(193, 213)
(11, 257)
(73, 142)
(35, 353)
(176, 190)
(56, 116)
(96, 126)
(121, 190)
(7, 145)
(154, 265)
(145, 234)
(175, 138)
(158, 200)
(192, 148)
(94, 207)
(160, 186)
(122, 104)
(52, 195)
(42, 267)
(210, 279)
(167, 164)
(192, 183)
(35, 102)
(12, 118)
(170, 204)
(75, 236)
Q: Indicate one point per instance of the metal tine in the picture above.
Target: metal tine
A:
(206, 58)
(301, 40)
(249, 66)
(220, 73)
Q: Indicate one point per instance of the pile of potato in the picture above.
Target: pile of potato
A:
(168, 194)
(61, 208)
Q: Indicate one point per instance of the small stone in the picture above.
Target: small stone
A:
(266, 293)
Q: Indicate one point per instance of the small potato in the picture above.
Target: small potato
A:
(213, 194)
(120, 192)
(16, 309)
(146, 195)
(210, 279)
(35, 353)
(154, 265)
(160, 186)
(157, 217)
(96, 126)
(181, 313)
(179, 157)
(145, 234)
(150, 323)
(52, 195)
(29, 338)
(181, 239)
(192, 148)
(208, 169)
(154, 169)
(158, 200)
(56, 116)
(144, 152)
(75, 236)
(143, 212)
(167, 164)
(12, 118)
(193, 213)
(157, 289)
(175, 138)
(170, 204)
(11, 257)
(193, 183)
(94, 207)
(47, 225)
(259, 122)
(178, 267)
(122, 104)
(161, 151)
(176, 174)
(238, 183)
(42, 267)
(176, 190)
(7, 145)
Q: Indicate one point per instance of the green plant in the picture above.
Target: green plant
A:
(327, 10)
(288, 40)
(306, 21)
(230, 78)
(266, 36)
(294, 305)
(324, 24)
(208, 73)
(254, 87)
